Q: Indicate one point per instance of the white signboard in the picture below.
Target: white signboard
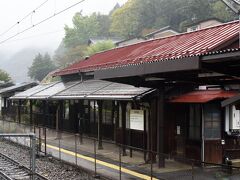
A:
(235, 118)
(178, 130)
(137, 119)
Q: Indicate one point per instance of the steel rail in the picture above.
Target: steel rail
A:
(15, 163)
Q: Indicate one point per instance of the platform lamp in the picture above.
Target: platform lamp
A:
(234, 5)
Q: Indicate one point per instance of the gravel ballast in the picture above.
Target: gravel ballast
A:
(46, 166)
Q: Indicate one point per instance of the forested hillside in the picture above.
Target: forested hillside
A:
(135, 18)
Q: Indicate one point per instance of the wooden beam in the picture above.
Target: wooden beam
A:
(176, 65)
(221, 57)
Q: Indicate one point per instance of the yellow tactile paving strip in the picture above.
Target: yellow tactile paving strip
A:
(109, 165)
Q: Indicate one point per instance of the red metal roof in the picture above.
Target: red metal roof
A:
(173, 47)
(203, 96)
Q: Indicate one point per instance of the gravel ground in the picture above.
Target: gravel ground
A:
(46, 166)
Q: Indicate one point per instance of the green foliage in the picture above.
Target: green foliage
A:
(98, 47)
(222, 12)
(74, 44)
(41, 66)
(64, 56)
(134, 18)
(104, 25)
(137, 15)
(4, 76)
(83, 28)
(126, 20)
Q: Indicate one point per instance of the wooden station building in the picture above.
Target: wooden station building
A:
(179, 83)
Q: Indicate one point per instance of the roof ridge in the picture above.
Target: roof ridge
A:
(180, 34)
(154, 44)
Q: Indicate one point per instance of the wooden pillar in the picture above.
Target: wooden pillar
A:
(58, 120)
(152, 130)
(60, 115)
(100, 125)
(123, 106)
(3, 108)
(80, 120)
(46, 114)
(76, 112)
(31, 112)
(113, 118)
(95, 121)
(116, 126)
(19, 111)
(89, 121)
(4, 102)
(160, 127)
(144, 136)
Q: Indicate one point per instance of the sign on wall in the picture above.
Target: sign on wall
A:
(235, 118)
(137, 119)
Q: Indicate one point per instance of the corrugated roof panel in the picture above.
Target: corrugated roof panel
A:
(52, 90)
(120, 89)
(178, 46)
(32, 91)
(98, 89)
(84, 88)
(17, 87)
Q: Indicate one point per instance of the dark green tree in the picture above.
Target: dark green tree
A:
(4, 76)
(137, 16)
(84, 27)
(221, 11)
(126, 20)
(64, 56)
(41, 66)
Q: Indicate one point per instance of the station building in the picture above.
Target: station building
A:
(169, 95)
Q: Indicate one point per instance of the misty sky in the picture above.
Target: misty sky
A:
(48, 34)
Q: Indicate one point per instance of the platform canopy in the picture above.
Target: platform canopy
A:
(17, 88)
(91, 89)
(28, 93)
(203, 96)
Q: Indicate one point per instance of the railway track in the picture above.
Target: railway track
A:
(13, 170)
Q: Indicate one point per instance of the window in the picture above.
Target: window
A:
(92, 111)
(66, 110)
(195, 122)
(107, 112)
(128, 109)
(212, 121)
(120, 116)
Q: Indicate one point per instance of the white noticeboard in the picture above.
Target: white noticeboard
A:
(137, 119)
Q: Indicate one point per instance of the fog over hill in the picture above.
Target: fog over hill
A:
(17, 64)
